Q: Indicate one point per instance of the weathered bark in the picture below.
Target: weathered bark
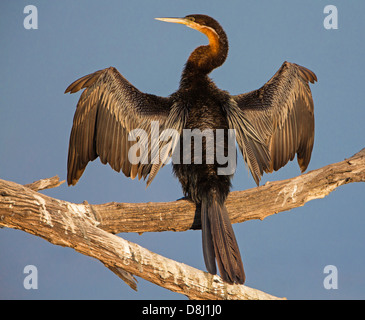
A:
(43, 184)
(72, 225)
(87, 228)
(242, 205)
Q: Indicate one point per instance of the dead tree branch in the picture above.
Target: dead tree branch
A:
(245, 205)
(44, 184)
(72, 225)
(88, 228)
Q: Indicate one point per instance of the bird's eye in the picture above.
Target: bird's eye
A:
(191, 19)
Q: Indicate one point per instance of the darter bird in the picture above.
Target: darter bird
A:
(271, 125)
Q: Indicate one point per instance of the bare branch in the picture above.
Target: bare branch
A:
(245, 205)
(87, 228)
(45, 184)
(72, 225)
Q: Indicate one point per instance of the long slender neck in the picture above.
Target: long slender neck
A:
(204, 59)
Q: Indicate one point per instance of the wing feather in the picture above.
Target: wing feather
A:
(108, 110)
(281, 113)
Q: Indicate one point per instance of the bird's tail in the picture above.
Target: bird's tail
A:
(219, 241)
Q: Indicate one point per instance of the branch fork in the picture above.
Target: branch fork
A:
(90, 229)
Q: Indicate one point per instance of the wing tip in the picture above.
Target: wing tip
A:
(306, 74)
(71, 181)
(88, 80)
(303, 164)
(68, 89)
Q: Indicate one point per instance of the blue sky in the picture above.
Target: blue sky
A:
(285, 254)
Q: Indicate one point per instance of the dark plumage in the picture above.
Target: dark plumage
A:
(272, 124)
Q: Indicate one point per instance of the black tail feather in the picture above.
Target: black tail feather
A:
(208, 246)
(219, 241)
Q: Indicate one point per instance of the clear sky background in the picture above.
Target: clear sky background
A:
(283, 255)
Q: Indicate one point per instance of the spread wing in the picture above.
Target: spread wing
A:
(110, 118)
(281, 113)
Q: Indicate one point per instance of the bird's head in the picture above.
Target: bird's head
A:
(213, 55)
(203, 23)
